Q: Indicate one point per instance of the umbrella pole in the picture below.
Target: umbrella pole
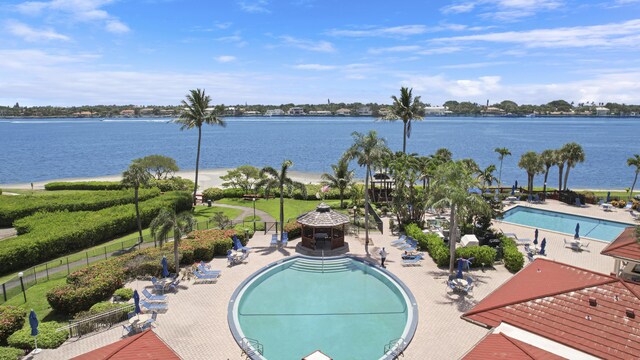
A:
(36, 350)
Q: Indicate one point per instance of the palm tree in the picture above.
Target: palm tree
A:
(367, 149)
(502, 153)
(275, 179)
(634, 161)
(405, 108)
(548, 158)
(341, 178)
(531, 163)
(560, 161)
(486, 177)
(136, 176)
(168, 221)
(196, 114)
(574, 154)
(443, 155)
(451, 188)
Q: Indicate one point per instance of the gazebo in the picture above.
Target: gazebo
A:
(323, 228)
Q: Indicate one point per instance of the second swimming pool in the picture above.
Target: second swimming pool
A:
(593, 228)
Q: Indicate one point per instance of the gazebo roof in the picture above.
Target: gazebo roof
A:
(323, 216)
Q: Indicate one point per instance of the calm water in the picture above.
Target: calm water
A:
(35, 150)
(565, 223)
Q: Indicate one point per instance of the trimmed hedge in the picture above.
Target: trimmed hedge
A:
(212, 194)
(512, 257)
(176, 183)
(84, 185)
(48, 337)
(17, 207)
(46, 236)
(293, 229)
(11, 320)
(9, 353)
(125, 294)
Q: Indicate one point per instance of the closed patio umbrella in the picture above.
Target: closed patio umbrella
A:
(513, 190)
(577, 236)
(535, 237)
(516, 185)
(608, 197)
(460, 265)
(136, 301)
(543, 244)
(165, 267)
(33, 322)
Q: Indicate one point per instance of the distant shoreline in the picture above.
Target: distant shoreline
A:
(331, 116)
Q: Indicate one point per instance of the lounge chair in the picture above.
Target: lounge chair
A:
(412, 260)
(206, 271)
(131, 314)
(174, 285)
(274, 240)
(154, 306)
(127, 330)
(151, 297)
(578, 202)
(157, 285)
(584, 246)
(285, 239)
(400, 240)
(629, 206)
(201, 278)
(239, 245)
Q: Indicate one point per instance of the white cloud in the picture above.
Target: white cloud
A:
(225, 58)
(117, 27)
(626, 34)
(318, 46)
(476, 65)
(318, 67)
(259, 6)
(395, 49)
(393, 31)
(416, 49)
(508, 10)
(28, 33)
(458, 8)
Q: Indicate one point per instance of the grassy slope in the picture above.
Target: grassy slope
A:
(292, 208)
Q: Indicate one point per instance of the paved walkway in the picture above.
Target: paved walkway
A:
(247, 211)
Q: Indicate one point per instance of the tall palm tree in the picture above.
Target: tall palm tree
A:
(443, 155)
(195, 115)
(574, 155)
(502, 153)
(341, 178)
(560, 161)
(168, 221)
(367, 149)
(531, 163)
(405, 108)
(280, 180)
(634, 161)
(451, 188)
(136, 176)
(486, 177)
(548, 158)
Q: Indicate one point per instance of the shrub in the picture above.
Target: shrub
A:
(432, 243)
(513, 258)
(9, 353)
(11, 320)
(294, 229)
(482, 255)
(125, 294)
(49, 235)
(48, 337)
(84, 185)
(176, 183)
(621, 203)
(105, 306)
(212, 194)
(16, 207)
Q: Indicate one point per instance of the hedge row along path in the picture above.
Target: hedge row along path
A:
(32, 278)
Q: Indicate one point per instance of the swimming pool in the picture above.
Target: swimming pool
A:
(341, 306)
(593, 228)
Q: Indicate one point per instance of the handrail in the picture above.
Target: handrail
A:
(395, 347)
(89, 324)
(251, 346)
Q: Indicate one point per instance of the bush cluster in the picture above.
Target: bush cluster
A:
(293, 229)
(84, 185)
(513, 258)
(49, 235)
(16, 207)
(9, 353)
(212, 194)
(175, 183)
(125, 294)
(11, 320)
(48, 337)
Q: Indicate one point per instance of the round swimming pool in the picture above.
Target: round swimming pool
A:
(342, 306)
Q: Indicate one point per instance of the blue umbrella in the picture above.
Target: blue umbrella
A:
(513, 190)
(165, 267)
(460, 264)
(608, 196)
(535, 236)
(33, 322)
(535, 241)
(136, 301)
(516, 185)
(577, 236)
(543, 244)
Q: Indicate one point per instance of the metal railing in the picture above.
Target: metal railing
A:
(105, 320)
(250, 347)
(395, 348)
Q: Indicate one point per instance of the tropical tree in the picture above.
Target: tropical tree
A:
(243, 177)
(443, 155)
(560, 161)
(136, 176)
(502, 153)
(197, 113)
(168, 221)
(341, 178)
(634, 161)
(159, 166)
(531, 163)
(486, 177)
(408, 201)
(451, 188)
(280, 180)
(548, 158)
(574, 154)
(366, 149)
(405, 108)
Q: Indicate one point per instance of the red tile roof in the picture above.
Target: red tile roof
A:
(551, 299)
(499, 346)
(624, 246)
(146, 345)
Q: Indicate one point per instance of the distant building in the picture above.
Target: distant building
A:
(296, 111)
(602, 111)
(343, 112)
(364, 111)
(384, 112)
(274, 112)
(493, 111)
(320, 113)
(251, 113)
(128, 112)
(83, 114)
(435, 110)
(167, 112)
(230, 111)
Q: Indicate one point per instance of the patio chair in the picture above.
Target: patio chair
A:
(568, 243)
(578, 202)
(127, 330)
(239, 245)
(629, 206)
(285, 238)
(469, 286)
(530, 256)
(151, 297)
(154, 306)
(131, 314)
(157, 285)
(413, 260)
(584, 246)
(529, 198)
(174, 285)
(205, 279)
(452, 285)
(634, 215)
(400, 240)
(274, 240)
(206, 271)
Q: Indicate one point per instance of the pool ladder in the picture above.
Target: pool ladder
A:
(395, 348)
(251, 347)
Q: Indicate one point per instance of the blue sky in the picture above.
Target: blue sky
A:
(75, 52)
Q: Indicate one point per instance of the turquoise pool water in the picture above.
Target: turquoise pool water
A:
(345, 308)
(565, 223)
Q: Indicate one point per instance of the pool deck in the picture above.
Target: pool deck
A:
(196, 327)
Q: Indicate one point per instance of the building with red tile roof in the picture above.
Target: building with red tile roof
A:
(146, 345)
(625, 248)
(565, 310)
(499, 346)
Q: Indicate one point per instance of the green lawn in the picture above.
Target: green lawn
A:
(37, 300)
(204, 213)
(292, 208)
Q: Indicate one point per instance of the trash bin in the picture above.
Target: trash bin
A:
(209, 202)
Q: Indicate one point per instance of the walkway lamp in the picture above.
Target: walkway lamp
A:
(21, 274)
(254, 214)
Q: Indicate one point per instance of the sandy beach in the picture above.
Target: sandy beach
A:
(206, 178)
